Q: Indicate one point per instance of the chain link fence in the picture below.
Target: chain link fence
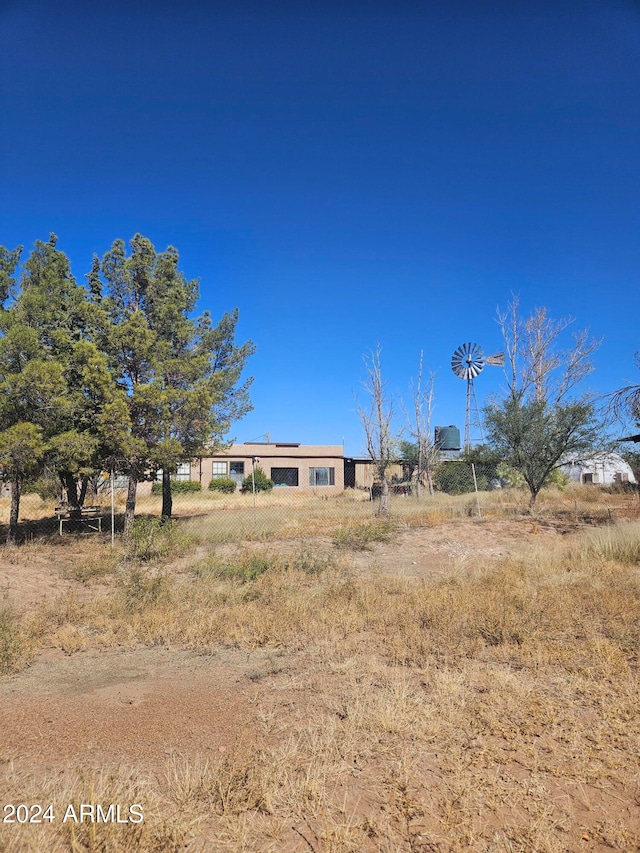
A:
(453, 489)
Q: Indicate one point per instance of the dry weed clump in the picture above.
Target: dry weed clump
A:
(618, 544)
(360, 536)
(17, 645)
(162, 829)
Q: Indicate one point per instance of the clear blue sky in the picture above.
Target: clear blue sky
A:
(345, 173)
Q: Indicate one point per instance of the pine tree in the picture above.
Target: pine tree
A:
(32, 386)
(181, 376)
(68, 328)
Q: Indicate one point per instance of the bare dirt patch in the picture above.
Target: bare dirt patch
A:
(460, 546)
(134, 707)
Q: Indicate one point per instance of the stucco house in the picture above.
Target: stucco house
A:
(303, 467)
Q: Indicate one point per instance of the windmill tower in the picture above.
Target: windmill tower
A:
(467, 363)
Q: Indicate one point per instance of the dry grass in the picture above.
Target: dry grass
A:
(361, 535)
(161, 831)
(215, 518)
(17, 642)
(494, 710)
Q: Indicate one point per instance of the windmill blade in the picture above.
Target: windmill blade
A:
(467, 361)
(458, 362)
(496, 359)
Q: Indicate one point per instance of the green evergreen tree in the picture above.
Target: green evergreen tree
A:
(182, 376)
(68, 329)
(32, 389)
(21, 452)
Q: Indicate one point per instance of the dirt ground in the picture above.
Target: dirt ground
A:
(425, 552)
(136, 707)
(160, 699)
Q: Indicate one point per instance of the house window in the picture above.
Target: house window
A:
(183, 471)
(218, 470)
(322, 476)
(237, 468)
(284, 476)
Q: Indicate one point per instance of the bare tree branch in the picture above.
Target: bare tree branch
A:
(541, 420)
(376, 422)
(625, 402)
(422, 398)
(535, 361)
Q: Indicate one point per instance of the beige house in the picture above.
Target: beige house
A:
(360, 472)
(304, 467)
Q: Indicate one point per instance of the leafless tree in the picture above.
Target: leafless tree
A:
(376, 422)
(419, 420)
(535, 363)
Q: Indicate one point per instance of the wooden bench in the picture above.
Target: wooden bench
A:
(89, 515)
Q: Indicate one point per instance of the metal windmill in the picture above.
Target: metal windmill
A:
(467, 363)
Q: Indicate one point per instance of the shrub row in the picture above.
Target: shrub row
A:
(178, 487)
(222, 484)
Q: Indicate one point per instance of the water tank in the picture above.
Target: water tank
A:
(447, 437)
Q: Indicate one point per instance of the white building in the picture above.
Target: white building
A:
(605, 468)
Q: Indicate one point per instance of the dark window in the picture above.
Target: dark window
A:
(236, 472)
(322, 476)
(284, 476)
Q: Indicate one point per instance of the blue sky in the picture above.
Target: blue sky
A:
(346, 175)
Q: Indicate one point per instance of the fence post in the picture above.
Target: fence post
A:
(113, 520)
(475, 483)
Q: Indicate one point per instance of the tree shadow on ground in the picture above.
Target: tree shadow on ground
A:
(48, 529)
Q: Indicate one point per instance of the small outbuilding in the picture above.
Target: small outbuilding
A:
(606, 469)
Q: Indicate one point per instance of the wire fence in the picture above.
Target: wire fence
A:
(455, 489)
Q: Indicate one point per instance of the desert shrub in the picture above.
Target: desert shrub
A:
(248, 566)
(557, 478)
(456, 478)
(632, 457)
(222, 484)
(150, 540)
(359, 537)
(243, 567)
(178, 487)
(508, 476)
(309, 561)
(262, 482)
(140, 589)
(620, 489)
